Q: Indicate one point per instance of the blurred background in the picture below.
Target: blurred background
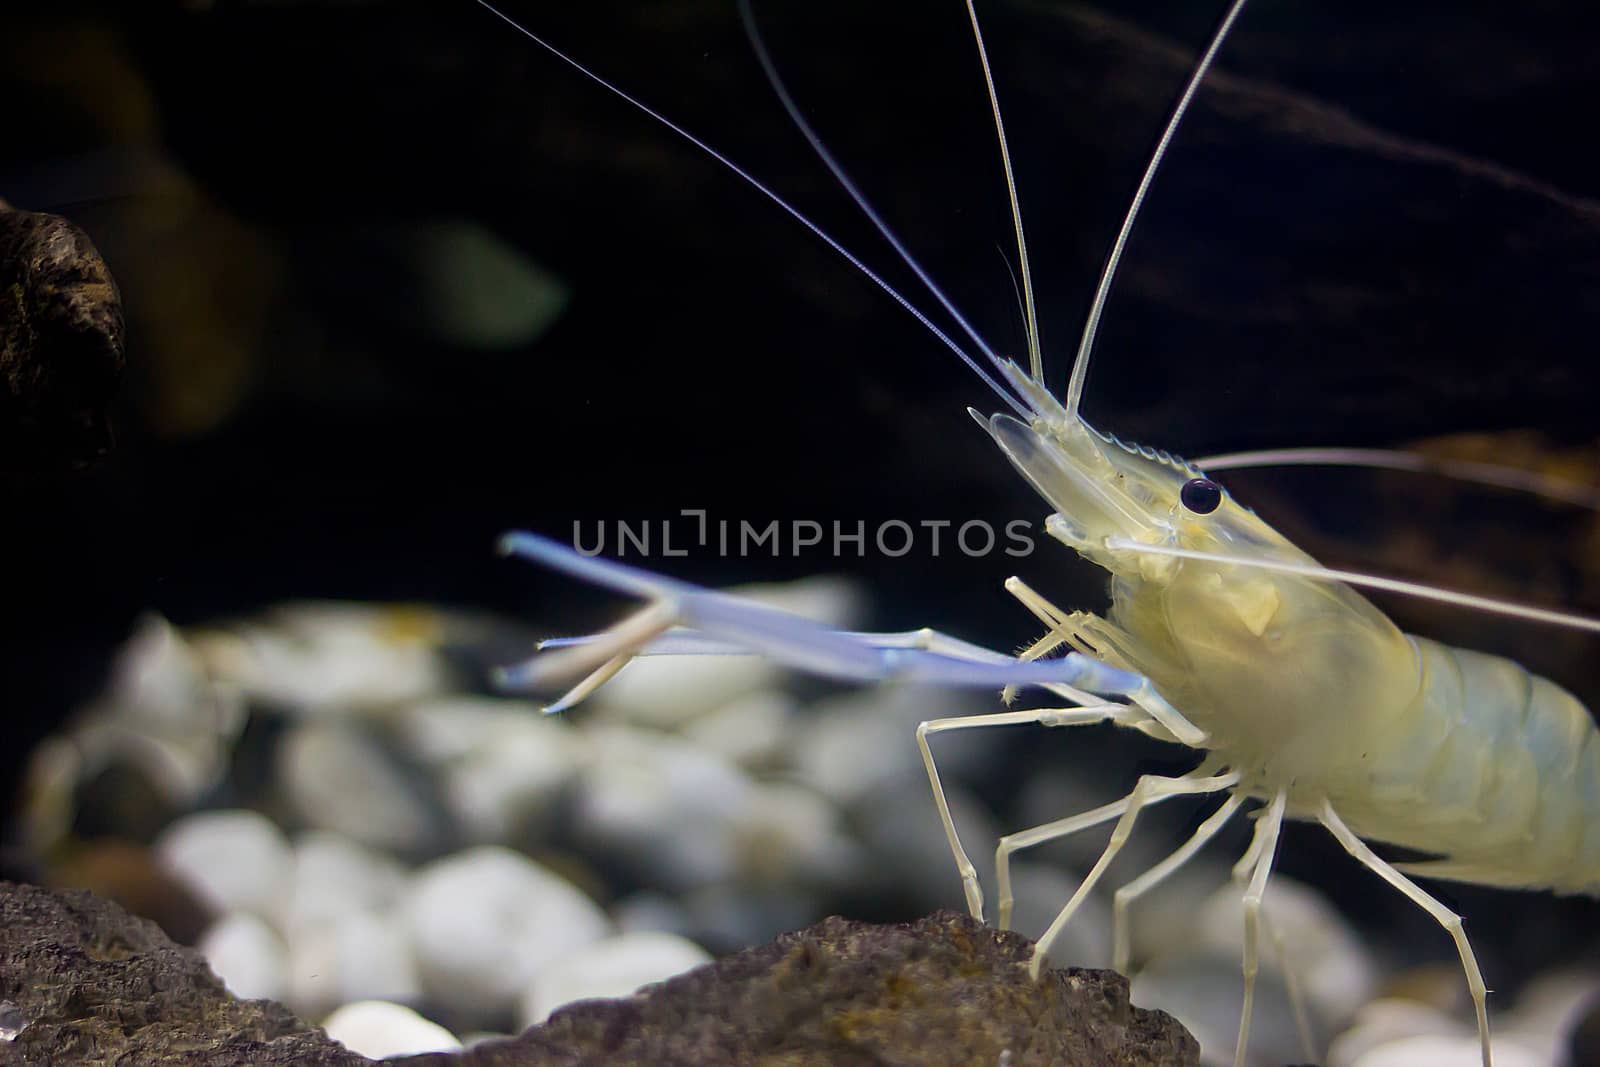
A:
(397, 280)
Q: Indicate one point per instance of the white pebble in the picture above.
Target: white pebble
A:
(323, 657)
(662, 807)
(615, 967)
(787, 832)
(335, 876)
(248, 955)
(377, 1029)
(850, 745)
(338, 779)
(352, 956)
(1329, 959)
(500, 763)
(483, 922)
(750, 731)
(1205, 992)
(234, 860)
(1441, 1050)
(1385, 1022)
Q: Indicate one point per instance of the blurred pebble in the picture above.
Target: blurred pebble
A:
(909, 853)
(607, 969)
(352, 956)
(376, 1029)
(726, 918)
(318, 658)
(248, 955)
(1329, 960)
(647, 911)
(751, 731)
(1205, 992)
(150, 745)
(1548, 1013)
(1387, 1021)
(665, 809)
(133, 877)
(788, 833)
(1439, 1050)
(233, 860)
(483, 922)
(335, 876)
(500, 764)
(337, 778)
(850, 745)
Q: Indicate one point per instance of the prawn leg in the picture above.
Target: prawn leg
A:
(1149, 789)
(1116, 713)
(1265, 847)
(1067, 628)
(1121, 949)
(1419, 896)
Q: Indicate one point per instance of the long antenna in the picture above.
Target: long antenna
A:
(1080, 363)
(793, 211)
(1031, 318)
(1492, 605)
(786, 98)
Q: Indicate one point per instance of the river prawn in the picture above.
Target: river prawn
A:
(1221, 635)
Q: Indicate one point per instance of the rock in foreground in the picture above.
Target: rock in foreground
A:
(941, 991)
(88, 984)
(82, 982)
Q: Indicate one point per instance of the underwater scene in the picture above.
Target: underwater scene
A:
(387, 385)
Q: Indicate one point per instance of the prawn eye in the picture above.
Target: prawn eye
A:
(1201, 495)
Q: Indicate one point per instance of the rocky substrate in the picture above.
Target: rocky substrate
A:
(83, 982)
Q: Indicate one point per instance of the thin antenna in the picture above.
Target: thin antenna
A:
(1498, 475)
(1080, 363)
(849, 185)
(1492, 605)
(794, 212)
(1031, 319)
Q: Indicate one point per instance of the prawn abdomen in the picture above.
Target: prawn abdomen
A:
(1492, 768)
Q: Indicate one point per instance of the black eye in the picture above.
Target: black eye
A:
(1201, 495)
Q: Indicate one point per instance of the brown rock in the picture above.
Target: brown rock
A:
(941, 991)
(84, 983)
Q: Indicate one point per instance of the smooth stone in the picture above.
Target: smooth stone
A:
(351, 956)
(850, 745)
(908, 853)
(377, 1029)
(1443, 1050)
(616, 967)
(647, 911)
(667, 810)
(248, 955)
(1386, 1021)
(789, 833)
(337, 778)
(728, 918)
(1549, 1011)
(335, 876)
(751, 731)
(500, 764)
(234, 860)
(483, 922)
(1205, 992)
(327, 657)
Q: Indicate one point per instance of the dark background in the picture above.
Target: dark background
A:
(1381, 224)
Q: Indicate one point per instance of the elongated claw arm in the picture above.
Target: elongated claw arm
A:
(682, 618)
